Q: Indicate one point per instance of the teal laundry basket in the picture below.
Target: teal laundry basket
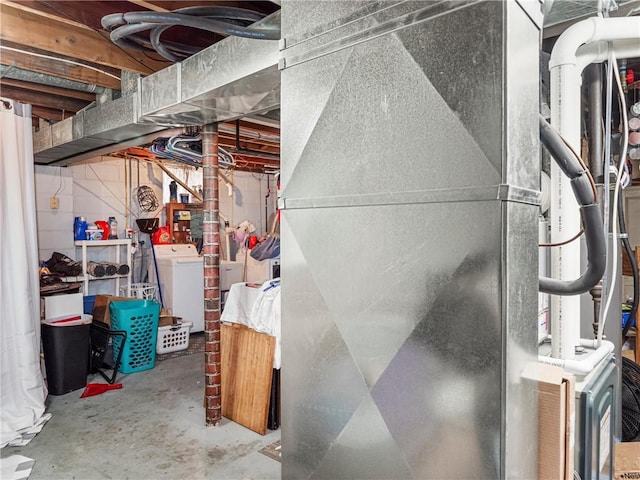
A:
(139, 318)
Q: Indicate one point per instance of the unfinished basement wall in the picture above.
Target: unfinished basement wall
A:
(55, 226)
(247, 200)
(96, 190)
(100, 191)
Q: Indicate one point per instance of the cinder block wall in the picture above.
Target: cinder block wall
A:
(55, 227)
(100, 191)
(96, 190)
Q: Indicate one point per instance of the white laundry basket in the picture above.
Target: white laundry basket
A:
(143, 291)
(173, 338)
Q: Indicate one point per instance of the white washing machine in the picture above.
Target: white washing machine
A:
(181, 273)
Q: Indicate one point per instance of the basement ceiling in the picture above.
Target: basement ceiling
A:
(56, 56)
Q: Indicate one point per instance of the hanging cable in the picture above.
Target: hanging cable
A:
(607, 177)
(616, 193)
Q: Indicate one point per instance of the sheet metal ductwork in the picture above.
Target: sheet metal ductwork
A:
(410, 178)
(233, 78)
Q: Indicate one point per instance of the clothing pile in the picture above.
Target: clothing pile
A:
(60, 264)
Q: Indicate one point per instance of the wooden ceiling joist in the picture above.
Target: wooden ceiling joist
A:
(27, 6)
(27, 28)
(49, 113)
(42, 99)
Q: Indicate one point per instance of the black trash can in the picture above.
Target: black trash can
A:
(66, 356)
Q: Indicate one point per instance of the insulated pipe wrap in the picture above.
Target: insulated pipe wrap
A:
(589, 212)
(583, 190)
(596, 257)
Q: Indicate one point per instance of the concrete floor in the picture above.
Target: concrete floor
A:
(153, 428)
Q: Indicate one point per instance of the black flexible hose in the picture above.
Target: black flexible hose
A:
(589, 211)
(634, 268)
(125, 27)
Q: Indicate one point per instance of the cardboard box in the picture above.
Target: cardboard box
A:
(101, 307)
(167, 321)
(627, 460)
(556, 422)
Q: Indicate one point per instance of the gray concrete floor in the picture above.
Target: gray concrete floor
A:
(151, 429)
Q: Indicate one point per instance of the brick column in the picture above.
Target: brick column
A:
(211, 253)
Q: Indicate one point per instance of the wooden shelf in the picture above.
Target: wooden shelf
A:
(179, 230)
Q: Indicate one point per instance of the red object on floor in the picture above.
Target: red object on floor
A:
(94, 389)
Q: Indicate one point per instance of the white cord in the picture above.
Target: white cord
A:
(607, 187)
(60, 60)
(616, 194)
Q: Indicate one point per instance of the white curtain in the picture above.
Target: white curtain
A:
(22, 389)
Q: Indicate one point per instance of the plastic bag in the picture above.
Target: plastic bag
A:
(270, 248)
(61, 264)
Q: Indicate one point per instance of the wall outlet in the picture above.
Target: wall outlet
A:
(54, 202)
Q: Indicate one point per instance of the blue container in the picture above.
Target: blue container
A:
(139, 318)
(625, 318)
(79, 228)
(88, 302)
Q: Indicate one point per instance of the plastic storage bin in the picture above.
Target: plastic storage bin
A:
(66, 355)
(625, 319)
(173, 338)
(139, 318)
(88, 302)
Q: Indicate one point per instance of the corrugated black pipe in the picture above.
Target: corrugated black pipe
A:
(634, 267)
(589, 211)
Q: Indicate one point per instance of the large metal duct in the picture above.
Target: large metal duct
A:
(410, 178)
(233, 78)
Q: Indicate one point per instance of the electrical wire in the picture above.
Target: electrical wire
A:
(616, 193)
(109, 190)
(607, 179)
(60, 183)
(64, 60)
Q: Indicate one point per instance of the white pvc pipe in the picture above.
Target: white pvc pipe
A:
(566, 67)
(591, 30)
(585, 365)
(598, 52)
